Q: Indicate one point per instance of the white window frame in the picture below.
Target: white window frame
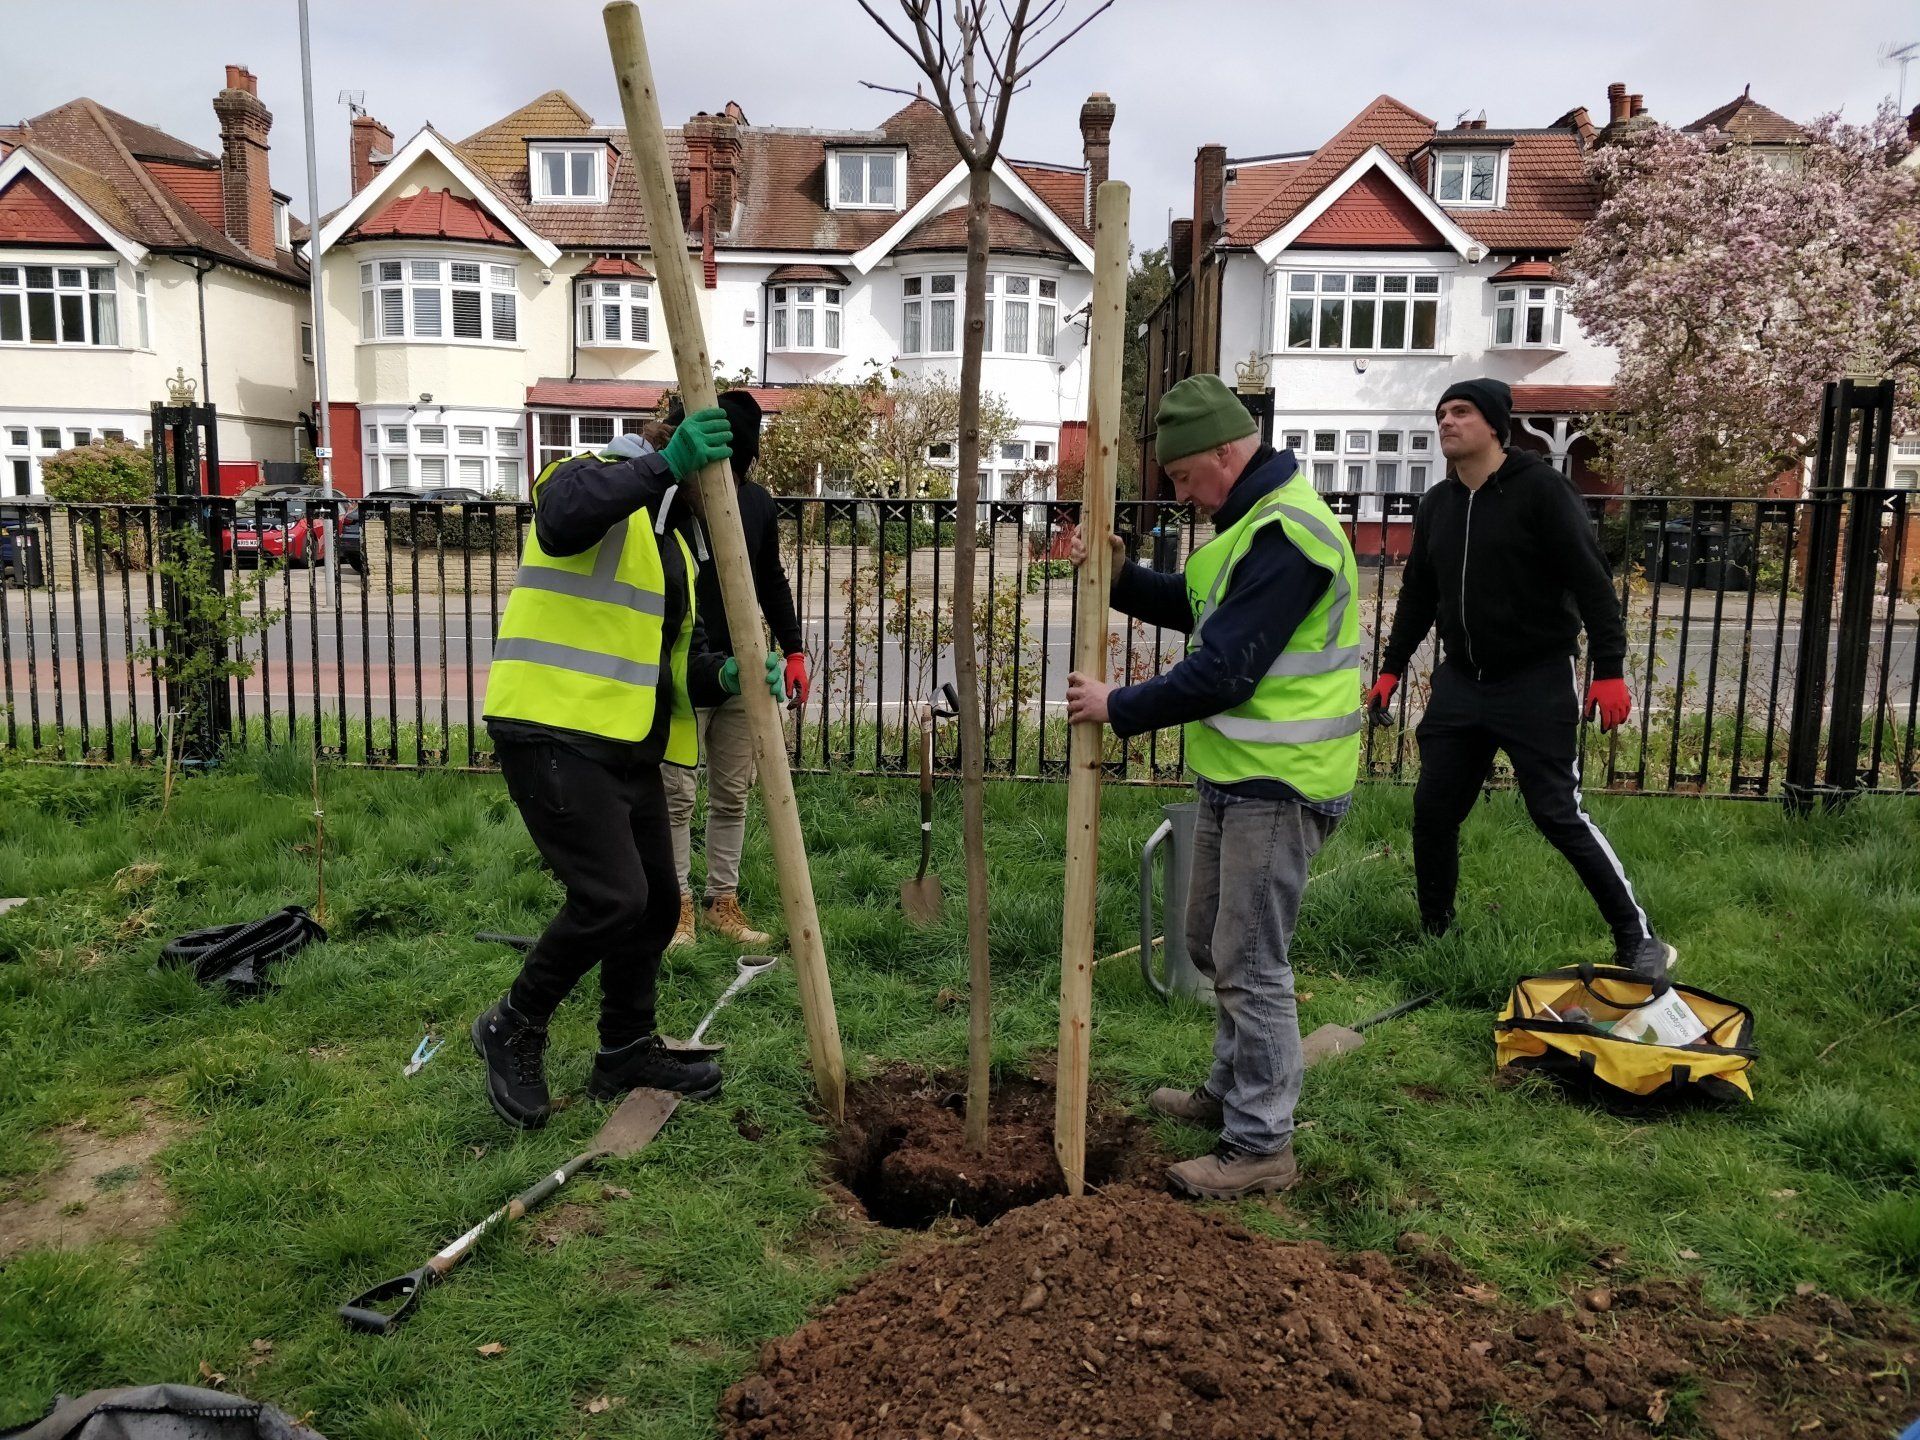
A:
(550, 444)
(407, 277)
(1368, 458)
(282, 226)
(538, 179)
(1040, 298)
(1316, 288)
(87, 282)
(398, 443)
(306, 341)
(632, 303)
(921, 302)
(811, 305)
(861, 158)
(1515, 306)
(1453, 169)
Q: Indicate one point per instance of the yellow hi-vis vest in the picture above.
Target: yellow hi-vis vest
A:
(580, 644)
(1303, 722)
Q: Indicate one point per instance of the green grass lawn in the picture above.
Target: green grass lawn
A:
(305, 1168)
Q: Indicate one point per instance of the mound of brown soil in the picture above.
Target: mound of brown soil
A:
(1132, 1314)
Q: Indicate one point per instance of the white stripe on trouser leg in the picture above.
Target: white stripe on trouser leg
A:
(1580, 809)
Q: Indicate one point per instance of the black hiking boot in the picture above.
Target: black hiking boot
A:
(646, 1064)
(1435, 923)
(1652, 959)
(514, 1049)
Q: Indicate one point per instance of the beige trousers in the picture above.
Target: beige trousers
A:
(726, 749)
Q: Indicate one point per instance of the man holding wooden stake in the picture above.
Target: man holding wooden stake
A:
(1268, 694)
(595, 675)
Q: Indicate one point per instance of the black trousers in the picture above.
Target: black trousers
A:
(1535, 717)
(602, 829)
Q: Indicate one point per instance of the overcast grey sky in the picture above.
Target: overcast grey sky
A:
(1256, 75)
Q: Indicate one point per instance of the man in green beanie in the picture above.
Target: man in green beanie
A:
(1268, 694)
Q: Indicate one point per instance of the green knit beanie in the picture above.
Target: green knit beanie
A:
(1198, 414)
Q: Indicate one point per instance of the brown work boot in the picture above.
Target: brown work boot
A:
(683, 932)
(724, 914)
(1197, 1106)
(1230, 1172)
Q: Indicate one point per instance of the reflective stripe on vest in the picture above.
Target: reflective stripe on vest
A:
(584, 662)
(1302, 722)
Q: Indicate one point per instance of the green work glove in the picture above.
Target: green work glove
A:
(730, 675)
(702, 438)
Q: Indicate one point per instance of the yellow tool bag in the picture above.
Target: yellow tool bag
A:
(1673, 1042)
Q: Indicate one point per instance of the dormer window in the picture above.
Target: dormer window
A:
(1467, 177)
(1528, 317)
(569, 174)
(282, 226)
(867, 179)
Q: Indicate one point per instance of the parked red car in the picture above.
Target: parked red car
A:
(279, 525)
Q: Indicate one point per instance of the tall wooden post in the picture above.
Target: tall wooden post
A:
(679, 295)
(1085, 744)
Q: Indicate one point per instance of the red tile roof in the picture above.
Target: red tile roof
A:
(1375, 214)
(1542, 270)
(1561, 399)
(781, 195)
(196, 186)
(32, 214)
(105, 158)
(631, 395)
(618, 266)
(1008, 233)
(1746, 119)
(807, 275)
(432, 215)
(1548, 195)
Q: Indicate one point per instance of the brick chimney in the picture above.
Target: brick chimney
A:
(1209, 189)
(1096, 143)
(245, 186)
(1180, 247)
(1636, 105)
(1580, 122)
(713, 168)
(370, 147)
(1617, 103)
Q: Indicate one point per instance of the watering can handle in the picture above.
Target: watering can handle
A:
(1154, 841)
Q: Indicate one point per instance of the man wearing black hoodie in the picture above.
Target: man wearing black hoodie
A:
(1504, 558)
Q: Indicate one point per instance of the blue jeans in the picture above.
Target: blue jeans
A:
(1250, 862)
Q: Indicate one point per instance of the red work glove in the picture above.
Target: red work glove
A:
(797, 683)
(1380, 697)
(1611, 699)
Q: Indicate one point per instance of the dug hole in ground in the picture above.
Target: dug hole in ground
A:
(1129, 1312)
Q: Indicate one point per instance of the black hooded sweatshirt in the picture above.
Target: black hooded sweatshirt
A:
(1511, 571)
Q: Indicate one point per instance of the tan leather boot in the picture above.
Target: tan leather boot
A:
(683, 932)
(1193, 1107)
(1230, 1172)
(724, 914)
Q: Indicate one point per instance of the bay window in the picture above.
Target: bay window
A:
(401, 450)
(927, 326)
(806, 317)
(1462, 177)
(616, 312)
(562, 435)
(1369, 312)
(1528, 317)
(1022, 315)
(60, 305)
(416, 298)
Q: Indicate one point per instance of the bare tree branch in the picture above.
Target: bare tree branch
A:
(893, 90)
(887, 29)
(1035, 63)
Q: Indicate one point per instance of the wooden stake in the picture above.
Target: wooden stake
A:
(1086, 741)
(680, 298)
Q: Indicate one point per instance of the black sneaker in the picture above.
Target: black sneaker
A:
(647, 1064)
(1648, 957)
(515, 1049)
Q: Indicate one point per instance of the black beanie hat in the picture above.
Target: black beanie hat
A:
(743, 414)
(1490, 397)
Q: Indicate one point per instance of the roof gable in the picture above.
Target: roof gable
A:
(428, 142)
(1746, 119)
(933, 201)
(31, 213)
(1396, 128)
(432, 215)
(1372, 214)
(1374, 160)
(1008, 233)
(73, 214)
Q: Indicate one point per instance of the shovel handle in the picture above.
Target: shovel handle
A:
(1154, 841)
(360, 1312)
(1395, 1011)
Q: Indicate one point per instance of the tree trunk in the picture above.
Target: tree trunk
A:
(966, 665)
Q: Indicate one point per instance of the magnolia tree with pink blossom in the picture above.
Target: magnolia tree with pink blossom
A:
(1734, 291)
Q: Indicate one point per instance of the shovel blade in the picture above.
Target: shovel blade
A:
(632, 1127)
(1329, 1041)
(922, 899)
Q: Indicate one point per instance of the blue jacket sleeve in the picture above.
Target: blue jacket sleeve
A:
(586, 497)
(1149, 595)
(1274, 586)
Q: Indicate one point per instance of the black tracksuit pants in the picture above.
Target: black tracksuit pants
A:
(602, 829)
(1534, 716)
